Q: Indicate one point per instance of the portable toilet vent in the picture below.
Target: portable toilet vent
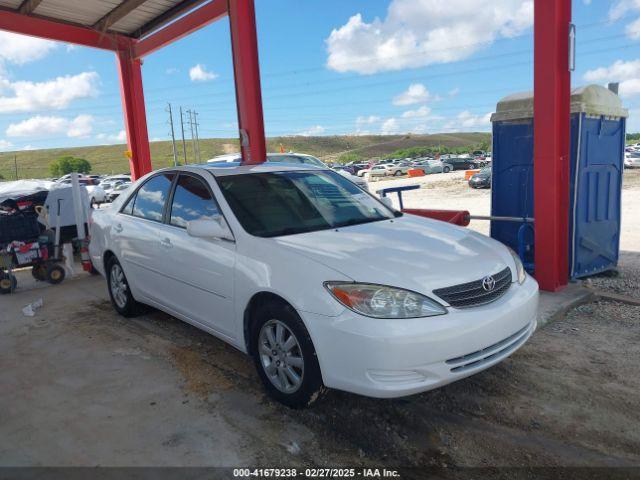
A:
(597, 155)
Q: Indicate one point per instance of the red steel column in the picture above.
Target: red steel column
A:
(552, 91)
(244, 44)
(135, 118)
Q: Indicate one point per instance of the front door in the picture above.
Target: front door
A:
(199, 271)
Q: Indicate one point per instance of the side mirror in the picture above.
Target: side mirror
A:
(387, 202)
(209, 229)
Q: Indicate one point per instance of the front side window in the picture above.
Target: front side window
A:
(192, 201)
(150, 199)
(286, 203)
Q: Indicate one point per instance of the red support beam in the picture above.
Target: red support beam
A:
(135, 117)
(182, 27)
(552, 93)
(246, 67)
(34, 26)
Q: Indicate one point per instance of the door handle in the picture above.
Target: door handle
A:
(165, 242)
(118, 228)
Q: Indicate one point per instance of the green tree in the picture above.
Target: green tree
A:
(68, 164)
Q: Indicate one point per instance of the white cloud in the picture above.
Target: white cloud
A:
(466, 119)
(120, 137)
(21, 49)
(627, 73)
(26, 96)
(454, 92)
(315, 130)
(416, 33)
(390, 126)
(5, 144)
(42, 126)
(367, 120)
(420, 112)
(416, 93)
(171, 70)
(622, 8)
(199, 73)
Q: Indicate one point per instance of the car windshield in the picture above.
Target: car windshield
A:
(287, 203)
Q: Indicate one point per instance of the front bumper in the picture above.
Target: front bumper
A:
(394, 358)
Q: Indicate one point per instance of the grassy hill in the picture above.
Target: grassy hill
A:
(112, 159)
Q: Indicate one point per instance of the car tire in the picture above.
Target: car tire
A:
(55, 273)
(279, 335)
(446, 169)
(397, 173)
(472, 166)
(119, 291)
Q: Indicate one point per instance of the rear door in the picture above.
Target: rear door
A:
(136, 232)
(198, 272)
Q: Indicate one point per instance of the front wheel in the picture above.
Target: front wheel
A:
(446, 169)
(397, 173)
(285, 356)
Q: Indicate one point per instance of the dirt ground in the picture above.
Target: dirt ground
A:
(83, 386)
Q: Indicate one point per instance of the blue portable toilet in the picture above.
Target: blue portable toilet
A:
(597, 154)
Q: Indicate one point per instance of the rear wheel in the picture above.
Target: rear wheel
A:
(55, 274)
(285, 356)
(446, 169)
(397, 173)
(119, 290)
(8, 283)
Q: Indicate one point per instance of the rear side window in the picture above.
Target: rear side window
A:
(192, 200)
(150, 199)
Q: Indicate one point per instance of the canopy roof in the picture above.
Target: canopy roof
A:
(134, 18)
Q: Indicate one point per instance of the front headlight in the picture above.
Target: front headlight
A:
(380, 301)
(520, 272)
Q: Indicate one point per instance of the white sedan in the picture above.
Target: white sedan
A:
(320, 282)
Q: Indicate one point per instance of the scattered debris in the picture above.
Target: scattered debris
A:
(30, 310)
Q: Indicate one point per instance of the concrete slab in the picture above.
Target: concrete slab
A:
(554, 306)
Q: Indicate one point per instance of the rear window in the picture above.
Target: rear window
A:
(150, 199)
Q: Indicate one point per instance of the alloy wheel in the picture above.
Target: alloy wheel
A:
(118, 285)
(281, 356)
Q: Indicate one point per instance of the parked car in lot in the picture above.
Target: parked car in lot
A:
(95, 192)
(117, 191)
(482, 179)
(389, 170)
(320, 282)
(433, 166)
(632, 159)
(462, 163)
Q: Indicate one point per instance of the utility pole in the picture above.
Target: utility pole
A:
(15, 164)
(173, 137)
(193, 137)
(195, 118)
(184, 144)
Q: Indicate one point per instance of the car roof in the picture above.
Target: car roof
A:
(235, 168)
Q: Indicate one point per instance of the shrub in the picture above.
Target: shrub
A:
(65, 165)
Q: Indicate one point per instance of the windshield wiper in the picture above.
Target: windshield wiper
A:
(358, 221)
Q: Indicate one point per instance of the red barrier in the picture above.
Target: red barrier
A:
(457, 217)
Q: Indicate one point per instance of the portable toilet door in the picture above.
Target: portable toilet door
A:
(596, 163)
(597, 149)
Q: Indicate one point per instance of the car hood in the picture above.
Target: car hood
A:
(410, 252)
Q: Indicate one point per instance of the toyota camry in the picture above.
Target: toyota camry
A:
(320, 282)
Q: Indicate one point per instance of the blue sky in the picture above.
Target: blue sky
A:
(328, 67)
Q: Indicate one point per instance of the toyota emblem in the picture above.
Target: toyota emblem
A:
(488, 283)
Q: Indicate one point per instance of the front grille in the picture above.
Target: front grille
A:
(473, 294)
